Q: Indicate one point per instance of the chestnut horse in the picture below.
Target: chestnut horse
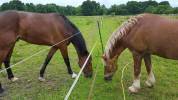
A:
(144, 35)
(41, 29)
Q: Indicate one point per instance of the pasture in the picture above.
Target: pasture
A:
(58, 81)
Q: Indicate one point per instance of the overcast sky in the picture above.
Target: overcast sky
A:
(75, 3)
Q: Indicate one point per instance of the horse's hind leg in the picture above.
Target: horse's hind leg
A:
(1, 89)
(7, 65)
(47, 60)
(134, 88)
(151, 79)
(65, 55)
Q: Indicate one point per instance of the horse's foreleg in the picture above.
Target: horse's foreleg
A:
(137, 69)
(47, 60)
(64, 53)
(151, 79)
(3, 54)
(7, 65)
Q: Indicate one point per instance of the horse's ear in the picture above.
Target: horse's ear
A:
(104, 57)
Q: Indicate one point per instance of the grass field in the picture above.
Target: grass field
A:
(58, 81)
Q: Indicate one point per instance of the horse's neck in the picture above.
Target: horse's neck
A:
(79, 44)
(116, 51)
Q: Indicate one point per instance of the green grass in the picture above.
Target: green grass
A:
(58, 81)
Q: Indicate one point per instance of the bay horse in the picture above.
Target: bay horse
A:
(41, 29)
(144, 35)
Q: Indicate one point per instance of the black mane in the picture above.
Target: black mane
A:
(78, 40)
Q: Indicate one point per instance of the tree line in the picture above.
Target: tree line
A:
(91, 8)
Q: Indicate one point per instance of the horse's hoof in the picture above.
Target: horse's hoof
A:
(74, 75)
(2, 92)
(133, 89)
(14, 79)
(149, 84)
(41, 79)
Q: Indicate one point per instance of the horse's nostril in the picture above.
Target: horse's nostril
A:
(88, 75)
(109, 78)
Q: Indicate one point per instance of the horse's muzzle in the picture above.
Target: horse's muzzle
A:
(88, 75)
(108, 77)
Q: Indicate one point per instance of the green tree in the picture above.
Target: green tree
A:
(164, 9)
(89, 8)
(150, 3)
(145, 4)
(30, 7)
(51, 8)
(41, 8)
(70, 10)
(118, 10)
(113, 9)
(103, 10)
(78, 10)
(164, 3)
(175, 10)
(5, 6)
(122, 10)
(61, 10)
(13, 5)
(150, 9)
(134, 7)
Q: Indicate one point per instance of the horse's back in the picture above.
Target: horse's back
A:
(41, 28)
(157, 35)
(36, 28)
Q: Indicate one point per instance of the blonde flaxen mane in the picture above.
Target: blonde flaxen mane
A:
(120, 33)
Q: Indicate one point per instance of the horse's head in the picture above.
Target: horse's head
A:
(110, 67)
(88, 71)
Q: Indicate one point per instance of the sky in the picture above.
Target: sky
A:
(76, 3)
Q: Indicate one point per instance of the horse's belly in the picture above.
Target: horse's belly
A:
(170, 53)
(164, 45)
(39, 40)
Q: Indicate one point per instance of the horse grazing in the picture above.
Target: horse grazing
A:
(41, 29)
(144, 35)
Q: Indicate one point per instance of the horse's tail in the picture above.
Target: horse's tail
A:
(77, 40)
(122, 31)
